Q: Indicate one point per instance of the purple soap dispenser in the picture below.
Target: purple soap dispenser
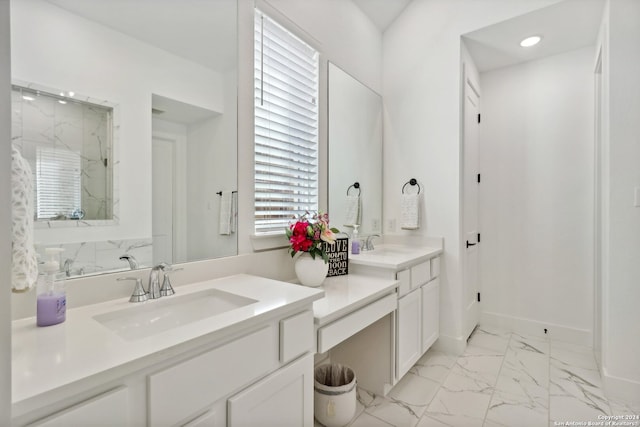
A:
(51, 298)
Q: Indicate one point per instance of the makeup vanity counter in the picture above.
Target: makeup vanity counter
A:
(351, 303)
(395, 341)
(175, 373)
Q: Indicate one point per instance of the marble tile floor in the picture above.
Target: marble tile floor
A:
(502, 380)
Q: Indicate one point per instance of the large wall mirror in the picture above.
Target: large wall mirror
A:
(127, 113)
(355, 154)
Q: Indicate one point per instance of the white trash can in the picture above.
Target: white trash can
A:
(334, 395)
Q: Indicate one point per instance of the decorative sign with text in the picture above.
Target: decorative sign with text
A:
(338, 257)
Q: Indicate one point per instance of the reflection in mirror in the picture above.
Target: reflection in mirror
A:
(67, 142)
(167, 73)
(355, 154)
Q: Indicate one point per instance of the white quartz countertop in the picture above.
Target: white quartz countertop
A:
(344, 294)
(44, 359)
(394, 256)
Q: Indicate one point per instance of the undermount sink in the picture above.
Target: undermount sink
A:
(386, 250)
(156, 316)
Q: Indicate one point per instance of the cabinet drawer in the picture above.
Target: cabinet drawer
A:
(435, 267)
(182, 390)
(404, 282)
(296, 336)
(336, 332)
(420, 274)
(108, 409)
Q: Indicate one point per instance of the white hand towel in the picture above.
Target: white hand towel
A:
(224, 223)
(352, 214)
(24, 269)
(234, 212)
(410, 211)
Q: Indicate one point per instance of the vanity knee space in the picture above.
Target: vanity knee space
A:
(413, 326)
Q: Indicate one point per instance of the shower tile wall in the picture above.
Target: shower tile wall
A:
(98, 257)
(77, 127)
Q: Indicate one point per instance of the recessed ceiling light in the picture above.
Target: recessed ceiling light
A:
(28, 98)
(530, 41)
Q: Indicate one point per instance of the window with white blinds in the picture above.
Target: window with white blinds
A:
(286, 126)
(57, 182)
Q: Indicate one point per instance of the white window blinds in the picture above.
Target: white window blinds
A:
(286, 126)
(57, 182)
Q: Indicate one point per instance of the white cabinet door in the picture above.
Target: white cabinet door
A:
(430, 313)
(283, 399)
(108, 409)
(409, 336)
(208, 419)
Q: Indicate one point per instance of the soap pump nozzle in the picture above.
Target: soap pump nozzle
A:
(52, 264)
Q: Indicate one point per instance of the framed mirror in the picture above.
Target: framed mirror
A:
(355, 154)
(127, 113)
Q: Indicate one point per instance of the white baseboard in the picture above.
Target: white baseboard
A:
(450, 345)
(621, 389)
(524, 326)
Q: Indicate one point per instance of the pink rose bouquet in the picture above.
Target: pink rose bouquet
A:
(309, 233)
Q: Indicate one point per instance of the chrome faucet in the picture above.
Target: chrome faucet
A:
(139, 294)
(167, 289)
(154, 281)
(67, 267)
(133, 262)
(368, 244)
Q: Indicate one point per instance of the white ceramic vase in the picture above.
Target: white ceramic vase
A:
(310, 272)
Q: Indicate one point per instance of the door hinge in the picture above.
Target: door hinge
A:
(478, 296)
(106, 162)
(478, 178)
(478, 237)
(478, 117)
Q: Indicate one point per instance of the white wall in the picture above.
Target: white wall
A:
(536, 196)
(5, 217)
(70, 53)
(421, 92)
(621, 290)
(211, 163)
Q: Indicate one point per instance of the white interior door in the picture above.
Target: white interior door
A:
(163, 170)
(470, 210)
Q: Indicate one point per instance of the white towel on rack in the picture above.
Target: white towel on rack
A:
(352, 214)
(226, 208)
(410, 211)
(24, 268)
(234, 212)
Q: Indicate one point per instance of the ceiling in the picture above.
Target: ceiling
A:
(564, 26)
(382, 12)
(182, 31)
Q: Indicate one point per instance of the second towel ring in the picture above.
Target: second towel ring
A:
(412, 182)
(355, 185)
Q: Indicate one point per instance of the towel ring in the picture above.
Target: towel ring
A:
(412, 182)
(355, 185)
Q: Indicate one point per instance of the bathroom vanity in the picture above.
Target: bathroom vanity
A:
(394, 342)
(220, 352)
(383, 316)
(227, 351)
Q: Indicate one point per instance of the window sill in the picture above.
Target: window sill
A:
(265, 242)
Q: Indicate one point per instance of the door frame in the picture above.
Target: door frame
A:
(179, 238)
